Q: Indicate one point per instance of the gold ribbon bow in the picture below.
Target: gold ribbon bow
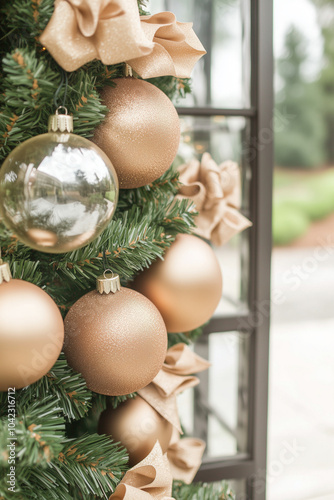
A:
(216, 193)
(185, 457)
(173, 378)
(151, 479)
(82, 30)
(176, 47)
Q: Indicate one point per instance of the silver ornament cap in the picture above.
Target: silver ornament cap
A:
(5, 274)
(61, 122)
(108, 282)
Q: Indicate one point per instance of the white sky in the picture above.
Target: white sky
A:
(302, 14)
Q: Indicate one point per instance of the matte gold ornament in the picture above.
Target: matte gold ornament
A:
(58, 190)
(186, 286)
(137, 426)
(117, 341)
(31, 333)
(141, 132)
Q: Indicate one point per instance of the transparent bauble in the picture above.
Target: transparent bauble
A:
(58, 191)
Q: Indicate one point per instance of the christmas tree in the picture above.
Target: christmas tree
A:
(74, 58)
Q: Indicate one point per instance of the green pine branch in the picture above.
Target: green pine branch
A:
(39, 433)
(93, 465)
(166, 185)
(66, 385)
(185, 338)
(23, 22)
(202, 491)
(27, 98)
(132, 242)
(174, 88)
(88, 468)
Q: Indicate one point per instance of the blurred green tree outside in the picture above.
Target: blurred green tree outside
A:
(300, 143)
(305, 144)
(325, 12)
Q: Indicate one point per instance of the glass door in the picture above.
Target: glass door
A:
(229, 115)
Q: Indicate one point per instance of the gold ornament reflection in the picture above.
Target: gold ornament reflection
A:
(58, 192)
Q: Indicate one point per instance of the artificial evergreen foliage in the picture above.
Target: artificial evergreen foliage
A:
(58, 453)
(202, 491)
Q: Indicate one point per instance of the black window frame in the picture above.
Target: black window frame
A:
(251, 466)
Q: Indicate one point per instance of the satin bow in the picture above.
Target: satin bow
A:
(176, 48)
(173, 378)
(151, 479)
(216, 193)
(185, 457)
(82, 30)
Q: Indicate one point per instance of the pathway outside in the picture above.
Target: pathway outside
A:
(301, 406)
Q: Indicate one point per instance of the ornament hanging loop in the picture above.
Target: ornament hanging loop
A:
(61, 107)
(110, 271)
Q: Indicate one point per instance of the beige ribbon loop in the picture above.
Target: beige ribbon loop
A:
(180, 360)
(89, 12)
(176, 47)
(167, 385)
(172, 379)
(184, 454)
(82, 30)
(185, 457)
(151, 479)
(216, 193)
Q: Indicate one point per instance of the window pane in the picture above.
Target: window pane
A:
(228, 393)
(233, 258)
(225, 139)
(239, 487)
(222, 77)
(217, 409)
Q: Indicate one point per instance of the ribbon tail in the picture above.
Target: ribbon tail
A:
(166, 407)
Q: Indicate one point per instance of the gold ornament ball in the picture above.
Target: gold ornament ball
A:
(141, 132)
(118, 342)
(31, 334)
(137, 426)
(186, 286)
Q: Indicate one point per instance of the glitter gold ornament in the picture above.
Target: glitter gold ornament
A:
(137, 426)
(115, 337)
(31, 332)
(186, 286)
(141, 132)
(58, 190)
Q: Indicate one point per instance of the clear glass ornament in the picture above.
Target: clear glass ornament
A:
(58, 191)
